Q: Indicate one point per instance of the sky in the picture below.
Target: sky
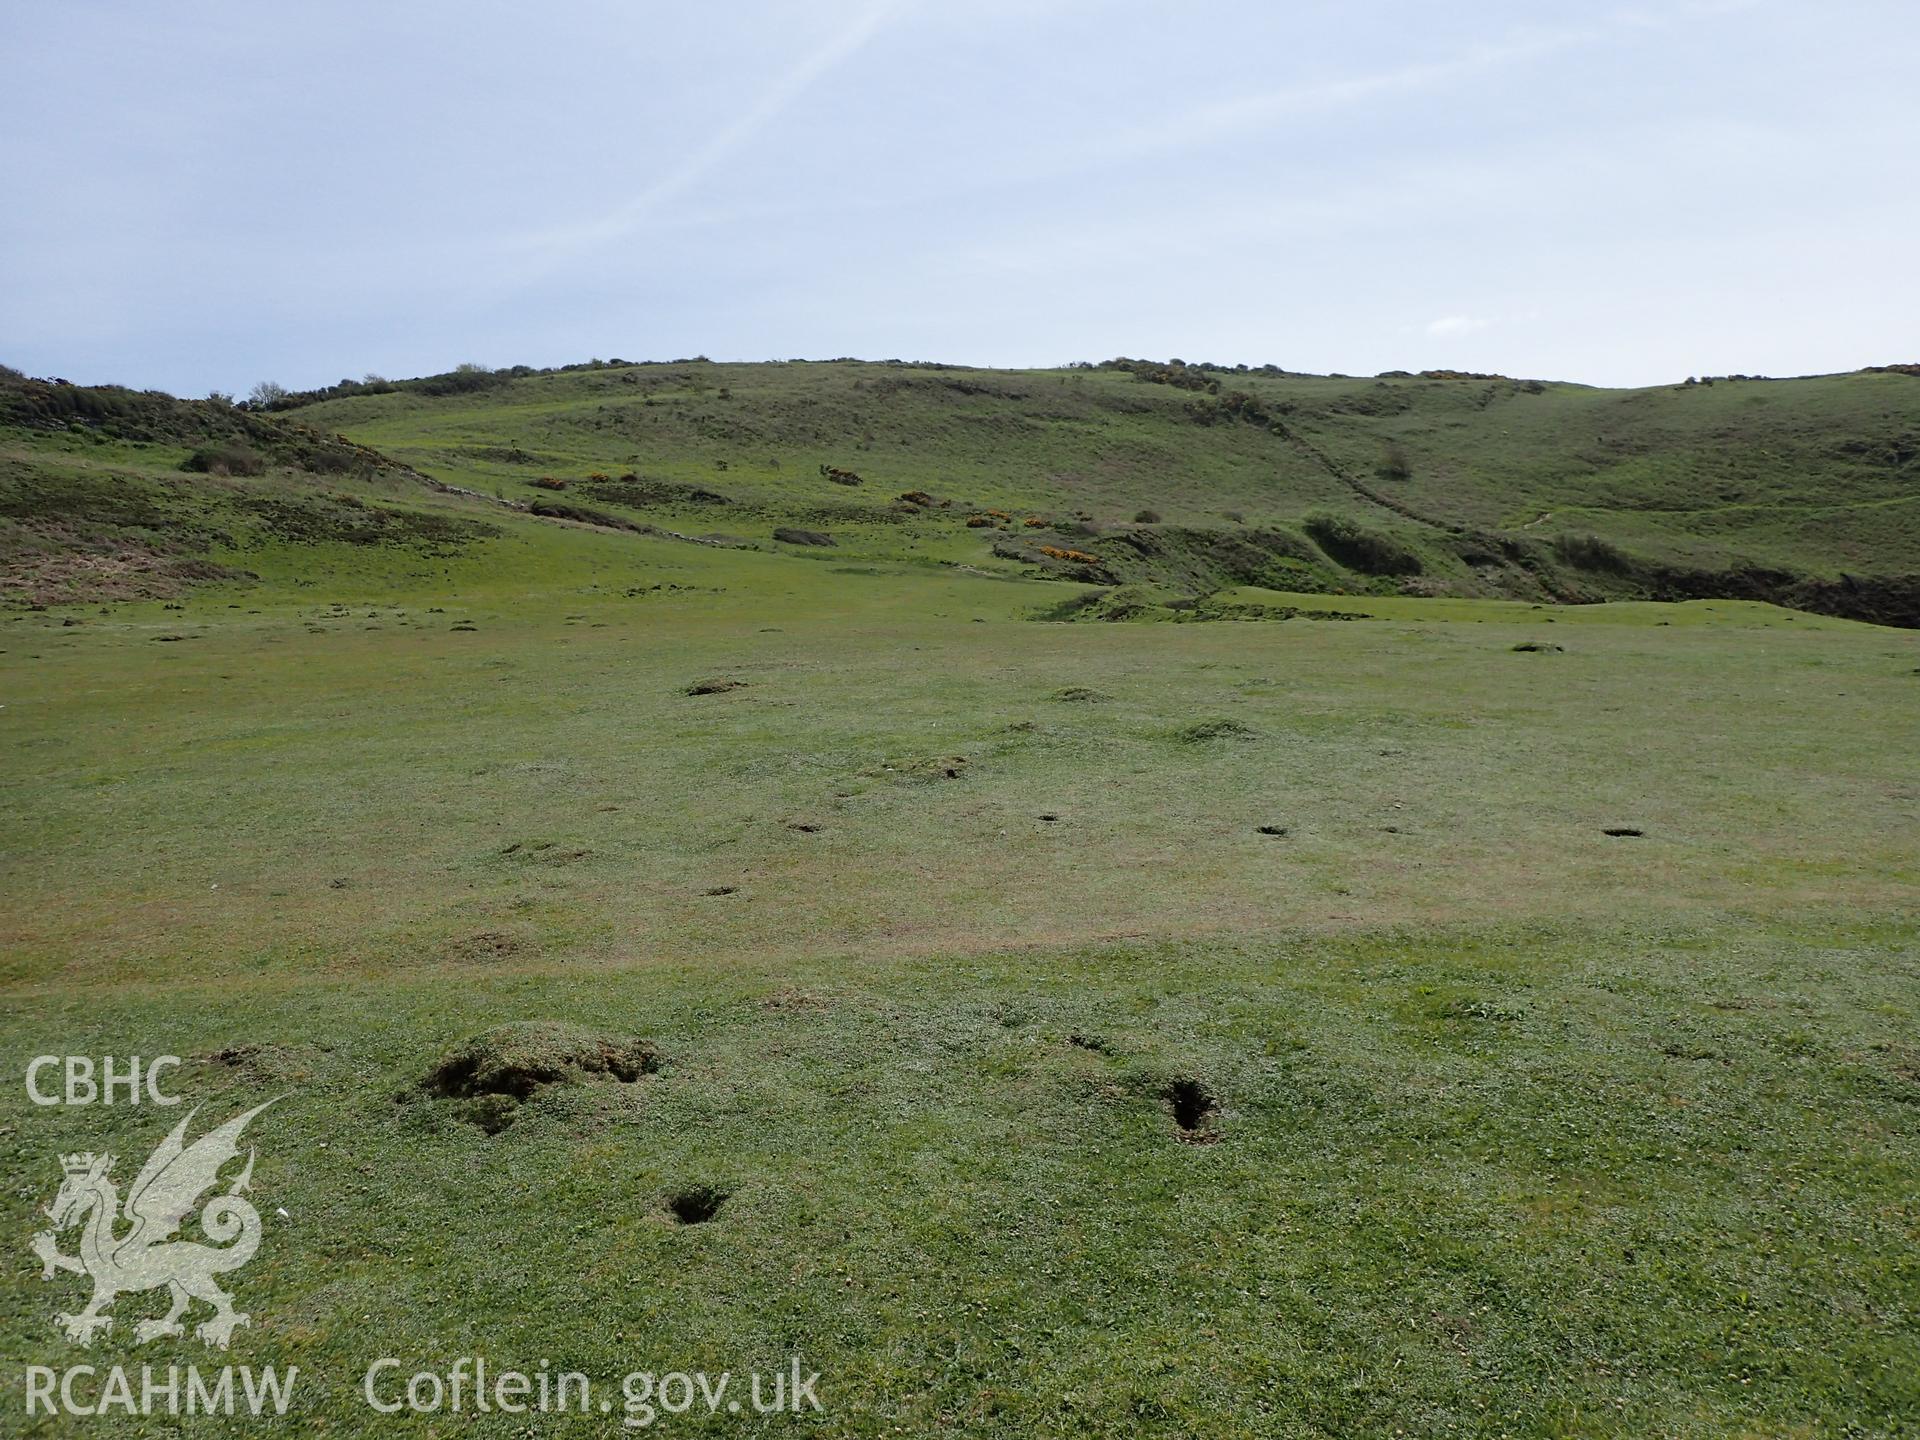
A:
(200, 196)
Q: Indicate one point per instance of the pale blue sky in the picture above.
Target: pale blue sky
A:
(201, 195)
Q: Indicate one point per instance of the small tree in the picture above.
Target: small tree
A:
(266, 395)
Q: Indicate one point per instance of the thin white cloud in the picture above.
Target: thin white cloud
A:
(623, 221)
(1253, 111)
(1223, 118)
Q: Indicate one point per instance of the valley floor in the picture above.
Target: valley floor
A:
(1295, 1027)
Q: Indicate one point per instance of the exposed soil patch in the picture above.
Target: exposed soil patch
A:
(1623, 831)
(547, 852)
(929, 771)
(502, 1067)
(1272, 829)
(805, 827)
(715, 687)
(1539, 647)
(519, 1057)
(485, 947)
(1080, 695)
(696, 1204)
(713, 891)
(793, 535)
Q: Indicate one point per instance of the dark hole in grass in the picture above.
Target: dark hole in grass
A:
(1193, 1106)
(492, 1113)
(1049, 817)
(805, 827)
(1623, 831)
(1273, 829)
(721, 890)
(695, 1205)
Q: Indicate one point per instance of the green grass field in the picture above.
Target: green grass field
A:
(1203, 1027)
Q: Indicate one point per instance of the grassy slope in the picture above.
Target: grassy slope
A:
(1525, 1129)
(1820, 474)
(1816, 476)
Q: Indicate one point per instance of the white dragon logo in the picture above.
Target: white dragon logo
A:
(147, 1256)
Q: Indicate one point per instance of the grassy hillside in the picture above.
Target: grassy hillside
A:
(1368, 998)
(1176, 478)
(1802, 491)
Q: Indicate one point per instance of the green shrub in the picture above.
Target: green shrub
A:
(1587, 551)
(225, 458)
(1358, 548)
